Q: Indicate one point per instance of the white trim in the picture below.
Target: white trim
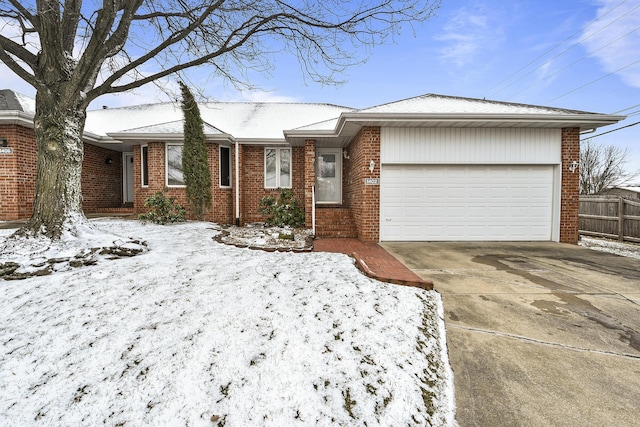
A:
(142, 184)
(278, 167)
(469, 202)
(220, 147)
(166, 165)
(338, 172)
(125, 181)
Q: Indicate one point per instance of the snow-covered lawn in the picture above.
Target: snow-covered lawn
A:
(630, 250)
(194, 329)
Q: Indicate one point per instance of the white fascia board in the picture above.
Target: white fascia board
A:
(24, 119)
(356, 120)
(263, 141)
(311, 134)
(129, 136)
(14, 117)
(563, 120)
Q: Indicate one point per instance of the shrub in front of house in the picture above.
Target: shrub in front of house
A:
(162, 209)
(282, 212)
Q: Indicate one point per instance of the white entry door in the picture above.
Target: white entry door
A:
(328, 175)
(127, 160)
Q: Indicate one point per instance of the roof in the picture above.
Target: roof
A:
(243, 120)
(266, 122)
(434, 104)
(635, 189)
(432, 110)
(164, 130)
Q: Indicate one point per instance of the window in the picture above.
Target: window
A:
(174, 165)
(277, 167)
(225, 167)
(145, 166)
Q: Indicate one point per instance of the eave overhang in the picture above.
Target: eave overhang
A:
(349, 124)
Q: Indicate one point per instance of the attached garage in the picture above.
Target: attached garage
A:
(469, 184)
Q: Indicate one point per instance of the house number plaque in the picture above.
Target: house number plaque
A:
(372, 181)
(6, 150)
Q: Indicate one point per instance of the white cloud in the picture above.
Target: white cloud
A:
(601, 39)
(467, 33)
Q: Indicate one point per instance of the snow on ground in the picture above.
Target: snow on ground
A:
(193, 328)
(619, 248)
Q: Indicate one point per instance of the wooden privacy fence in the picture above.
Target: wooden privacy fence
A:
(613, 217)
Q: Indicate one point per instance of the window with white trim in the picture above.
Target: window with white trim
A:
(277, 168)
(225, 166)
(144, 166)
(173, 167)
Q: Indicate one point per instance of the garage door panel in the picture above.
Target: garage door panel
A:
(466, 202)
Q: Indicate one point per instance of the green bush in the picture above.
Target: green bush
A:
(162, 209)
(282, 212)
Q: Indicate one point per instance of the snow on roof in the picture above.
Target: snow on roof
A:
(243, 120)
(267, 120)
(630, 188)
(14, 101)
(437, 104)
(174, 127)
(28, 104)
(442, 104)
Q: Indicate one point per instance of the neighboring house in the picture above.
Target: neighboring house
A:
(630, 192)
(426, 168)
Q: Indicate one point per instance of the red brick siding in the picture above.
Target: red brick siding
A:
(222, 198)
(240, 195)
(252, 172)
(309, 180)
(570, 192)
(17, 173)
(364, 200)
(101, 182)
(101, 186)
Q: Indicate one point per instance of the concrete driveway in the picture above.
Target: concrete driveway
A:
(538, 333)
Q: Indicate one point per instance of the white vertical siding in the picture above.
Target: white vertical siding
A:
(470, 146)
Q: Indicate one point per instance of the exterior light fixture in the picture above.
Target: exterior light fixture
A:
(3, 142)
(372, 166)
(573, 166)
(108, 161)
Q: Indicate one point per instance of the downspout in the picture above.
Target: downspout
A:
(237, 159)
(313, 210)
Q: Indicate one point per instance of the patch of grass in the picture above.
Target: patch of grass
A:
(429, 377)
(382, 406)
(368, 360)
(224, 390)
(349, 403)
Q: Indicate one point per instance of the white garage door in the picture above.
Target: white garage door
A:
(464, 203)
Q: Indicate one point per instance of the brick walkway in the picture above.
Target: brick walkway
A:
(373, 261)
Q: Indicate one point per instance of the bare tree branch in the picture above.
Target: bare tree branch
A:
(603, 166)
(9, 50)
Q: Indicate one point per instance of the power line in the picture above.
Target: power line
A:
(625, 109)
(614, 130)
(552, 49)
(570, 65)
(593, 81)
(574, 45)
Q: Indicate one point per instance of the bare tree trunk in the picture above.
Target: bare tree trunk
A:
(58, 201)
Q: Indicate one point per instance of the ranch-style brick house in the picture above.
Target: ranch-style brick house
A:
(428, 168)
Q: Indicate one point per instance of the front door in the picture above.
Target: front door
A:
(127, 160)
(329, 175)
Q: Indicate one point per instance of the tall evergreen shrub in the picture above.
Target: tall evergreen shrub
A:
(195, 165)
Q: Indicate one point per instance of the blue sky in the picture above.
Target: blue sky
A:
(578, 54)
